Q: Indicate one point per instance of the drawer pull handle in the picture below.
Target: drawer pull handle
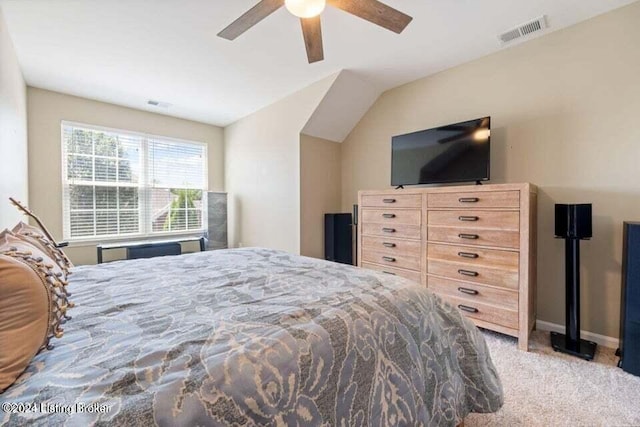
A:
(468, 236)
(388, 215)
(389, 259)
(468, 255)
(390, 273)
(467, 308)
(389, 245)
(468, 291)
(468, 273)
(388, 200)
(389, 230)
(468, 199)
(468, 218)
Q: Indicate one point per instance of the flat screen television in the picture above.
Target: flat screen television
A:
(452, 153)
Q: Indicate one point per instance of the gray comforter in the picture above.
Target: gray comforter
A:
(255, 337)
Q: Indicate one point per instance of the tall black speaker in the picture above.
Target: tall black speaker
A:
(630, 304)
(338, 238)
(573, 223)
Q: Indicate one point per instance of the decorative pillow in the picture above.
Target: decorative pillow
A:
(24, 317)
(35, 236)
(33, 304)
(33, 245)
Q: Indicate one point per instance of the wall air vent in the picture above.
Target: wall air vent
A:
(524, 30)
(158, 104)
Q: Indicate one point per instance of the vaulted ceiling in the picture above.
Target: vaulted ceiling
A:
(129, 51)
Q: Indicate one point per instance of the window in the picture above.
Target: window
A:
(121, 184)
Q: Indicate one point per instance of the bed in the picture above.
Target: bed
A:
(255, 337)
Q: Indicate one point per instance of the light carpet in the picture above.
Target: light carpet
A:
(545, 388)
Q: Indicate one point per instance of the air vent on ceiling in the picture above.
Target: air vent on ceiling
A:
(158, 104)
(524, 30)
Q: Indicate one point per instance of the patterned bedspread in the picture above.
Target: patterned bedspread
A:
(255, 337)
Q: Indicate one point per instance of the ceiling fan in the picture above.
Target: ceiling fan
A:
(309, 13)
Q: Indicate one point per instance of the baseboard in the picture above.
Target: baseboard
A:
(602, 340)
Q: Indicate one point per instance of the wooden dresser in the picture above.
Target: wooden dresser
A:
(474, 246)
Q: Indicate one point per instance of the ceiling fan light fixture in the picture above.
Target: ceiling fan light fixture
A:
(308, 11)
(305, 8)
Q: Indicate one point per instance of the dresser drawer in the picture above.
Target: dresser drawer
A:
(474, 237)
(402, 231)
(473, 273)
(485, 312)
(506, 260)
(475, 199)
(392, 252)
(407, 274)
(492, 220)
(474, 292)
(391, 200)
(392, 216)
(392, 246)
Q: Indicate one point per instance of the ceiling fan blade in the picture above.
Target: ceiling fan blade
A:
(312, 32)
(375, 12)
(250, 18)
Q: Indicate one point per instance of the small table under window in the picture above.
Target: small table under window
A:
(150, 248)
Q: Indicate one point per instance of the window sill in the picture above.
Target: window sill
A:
(79, 243)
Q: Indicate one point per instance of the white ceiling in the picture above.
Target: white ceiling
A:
(128, 51)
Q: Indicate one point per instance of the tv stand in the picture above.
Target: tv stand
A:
(478, 182)
(400, 187)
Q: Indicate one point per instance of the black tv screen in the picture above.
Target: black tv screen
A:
(452, 153)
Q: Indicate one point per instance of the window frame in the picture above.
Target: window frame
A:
(143, 187)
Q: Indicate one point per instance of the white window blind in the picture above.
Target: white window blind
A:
(118, 184)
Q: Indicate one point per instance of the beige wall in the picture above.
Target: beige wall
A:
(263, 171)
(47, 109)
(565, 115)
(13, 131)
(320, 191)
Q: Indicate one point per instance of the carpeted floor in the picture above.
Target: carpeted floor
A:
(545, 388)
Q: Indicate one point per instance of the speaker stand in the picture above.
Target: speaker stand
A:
(570, 342)
(561, 343)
